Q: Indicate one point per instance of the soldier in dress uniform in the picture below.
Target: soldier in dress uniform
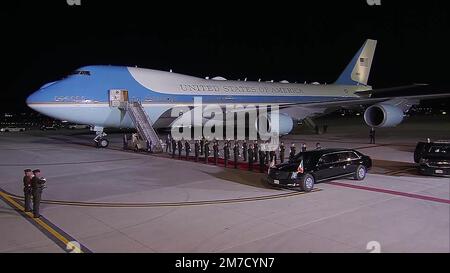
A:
(226, 153)
(244, 150)
(251, 156)
(236, 154)
(37, 186)
(180, 147)
(282, 149)
(174, 147)
(196, 150)
(303, 147)
(202, 145)
(206, 151)
(187, 148)
(261, 161)
(292, 152)
(256, 150)
(216, 152)
(27, 189)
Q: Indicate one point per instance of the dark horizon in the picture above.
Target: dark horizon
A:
(45, 41)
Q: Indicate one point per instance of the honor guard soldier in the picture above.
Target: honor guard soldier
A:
(292, 152)
(216, 152)
(37, 185)
(174, 147)
(187, 148)
(202, 145)
(303, 147)
(372, 135)
(236, 154)
(282, 149)
(206, 151)
(318, 146)
(125, 141)
(180, 147)
(196, 150)
(273, 157)
(168, 143)
(244, 150)
(256, 150)
(251, 156)
(226, 153)
(27, 189)
(261, 161)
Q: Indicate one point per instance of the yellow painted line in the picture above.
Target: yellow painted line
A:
(41, 223)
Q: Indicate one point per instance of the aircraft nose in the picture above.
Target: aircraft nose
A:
(39, 96)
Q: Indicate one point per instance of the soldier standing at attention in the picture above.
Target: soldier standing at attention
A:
(196, 150)
(206, 151)
(303, 147)
(318, 146)
(174, 147)
(226, 153)
(27, 190)
(251, 156)
(37, 185)
(216, 152)
(244, 150)
(273, 157)
(236, 153)
(292, 152)
(187, 148)
(202, 145)
(282, 149)
(255, 150)
(372, 135)
(261, 161)
(180, 147)
(168, 143)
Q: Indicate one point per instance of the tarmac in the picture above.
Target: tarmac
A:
(110, 200)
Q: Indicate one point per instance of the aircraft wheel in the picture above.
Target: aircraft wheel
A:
(103, 143)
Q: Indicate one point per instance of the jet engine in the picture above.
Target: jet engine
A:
(383, 115)
(286, 123)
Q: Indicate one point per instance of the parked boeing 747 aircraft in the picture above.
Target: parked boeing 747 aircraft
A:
(98, 95)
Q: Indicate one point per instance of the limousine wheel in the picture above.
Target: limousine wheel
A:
(360, 173)
(307, 183)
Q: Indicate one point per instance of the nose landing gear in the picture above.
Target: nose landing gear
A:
(100, 140)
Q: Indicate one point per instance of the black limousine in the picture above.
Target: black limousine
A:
(433, 158)
(308, 168)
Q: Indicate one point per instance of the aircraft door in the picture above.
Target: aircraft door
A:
(118, 97)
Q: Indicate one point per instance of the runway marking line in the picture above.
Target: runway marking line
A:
(43, 225)
(398, 193)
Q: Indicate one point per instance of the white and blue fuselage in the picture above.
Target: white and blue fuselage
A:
(83, 97)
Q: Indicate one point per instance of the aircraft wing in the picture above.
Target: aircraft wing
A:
(364, 101)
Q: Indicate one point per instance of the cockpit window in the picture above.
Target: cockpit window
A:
(81, 72)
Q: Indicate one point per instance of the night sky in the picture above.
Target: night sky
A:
(42, 40)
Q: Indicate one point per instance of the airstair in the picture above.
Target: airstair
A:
(144, 126)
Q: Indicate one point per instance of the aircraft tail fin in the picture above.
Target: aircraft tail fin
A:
(358, 70)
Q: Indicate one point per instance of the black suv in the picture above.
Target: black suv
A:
(307, 168)
(433, 158)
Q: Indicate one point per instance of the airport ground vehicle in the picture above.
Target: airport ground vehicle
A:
(48, 127)
(307, 168)
(12, 129)
(77, 126)
(433, 158)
